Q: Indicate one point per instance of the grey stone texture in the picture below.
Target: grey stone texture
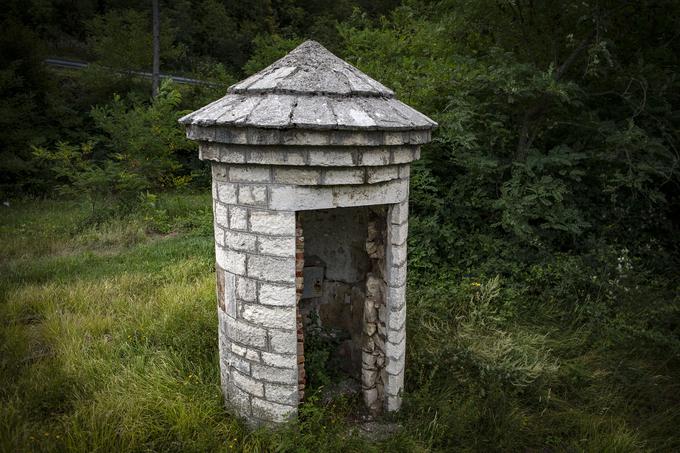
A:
(308, 133)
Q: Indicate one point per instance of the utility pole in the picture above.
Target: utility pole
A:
(156, 71)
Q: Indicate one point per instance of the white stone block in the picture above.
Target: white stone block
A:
(396, 276)
(374, 157)
(226, 192)
(395, 351)
(326, 158)
(219, 235)
(230, 293)
(344, 176)
(405, 171)
(394, 384)
(221, 216)
(238, 217)
(271, 269)
(398, 213)
(247, 384)
(252, 194)
(279, 360)
(237, 398)
(392, 403)
(280, 223)
(237, 240)
(297, 198)
(231, 261)
(244, 333)
(297, 176)
(380, 174)
(234, 361)
(396, 254)
(393, 365)
(402, 155)
(267, 410)
(249, 173)
(276, 317)
(396, 297)
(273, 374)
(283, 341)
(246, 289)
(248, 353)
(284, 394)
(397, 233)
(394, 191)
(279, 295)
(395, 319)
(277, 246)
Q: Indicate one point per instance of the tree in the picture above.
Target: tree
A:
(156, 76)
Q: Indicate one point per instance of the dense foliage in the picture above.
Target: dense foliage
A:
(543, 253)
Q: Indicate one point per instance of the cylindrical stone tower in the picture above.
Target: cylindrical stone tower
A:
(310, 163)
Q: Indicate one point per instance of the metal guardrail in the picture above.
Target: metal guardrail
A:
(72, 64)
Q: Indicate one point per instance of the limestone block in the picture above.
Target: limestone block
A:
(240, 241)
(230, 294)
(245, 333)
(396, 318)
(271, 269)
(275, 156)
(249, 173)
(397, 233)
(298, 198)
(230, 261)
(370, 397)
(392, 403)
(370, 313)
(247, 384)
(396, 297)
(396, 255)
(273, 222)
(283, 341)
(276, 317)
(326, 158)
(297, 176)
(405, 171)
(395, 351)
(219, 171)
(221, 153)
(250, 354)
(402, 155)
(238, 363)
(398, 213)
(267, 410)
(238, 218)
(279, 360)
(280, 295)
(380, 174)
(274, 375)
(221, 215)
(226, 192)
(396, 335)
(390, 192)
(252, 194)
(277, 246)
(394, 365)
(219, 235)
(396, 276)
(394, 384)
(238, 399)
(284, 394)
(344, 176)
(246, 289)
(374, 157)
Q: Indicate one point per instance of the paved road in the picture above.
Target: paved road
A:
(71, 64)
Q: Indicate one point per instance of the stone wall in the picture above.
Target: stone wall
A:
(255, 246)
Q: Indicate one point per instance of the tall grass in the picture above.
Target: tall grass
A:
(108, 342)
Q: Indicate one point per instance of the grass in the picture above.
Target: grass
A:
(108, 342)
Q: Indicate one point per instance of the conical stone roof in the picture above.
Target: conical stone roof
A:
(310, 88)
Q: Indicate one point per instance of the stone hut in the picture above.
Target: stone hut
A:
(310, 164)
